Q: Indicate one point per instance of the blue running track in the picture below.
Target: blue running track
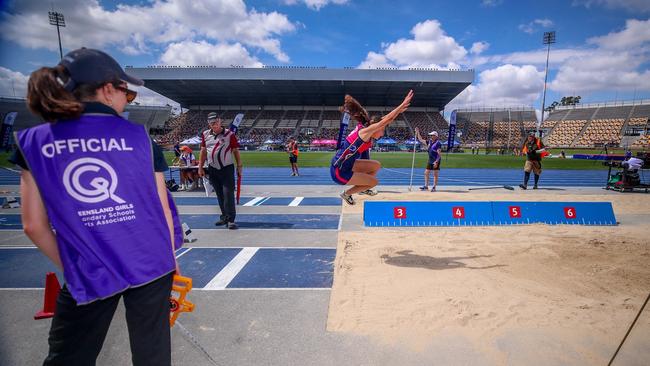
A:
(283, 268)
(245, 221)
(401, 176)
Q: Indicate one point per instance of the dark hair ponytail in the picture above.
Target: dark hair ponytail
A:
(47, 98)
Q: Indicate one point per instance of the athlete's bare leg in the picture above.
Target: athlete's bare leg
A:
(427, 173)
(361, 182)
(366, 166)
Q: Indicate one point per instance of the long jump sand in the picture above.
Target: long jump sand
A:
(534, 294)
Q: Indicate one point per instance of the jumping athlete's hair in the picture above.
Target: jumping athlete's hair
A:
(47, 98)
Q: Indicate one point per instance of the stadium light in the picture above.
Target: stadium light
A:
(549, 38)
(58, 20)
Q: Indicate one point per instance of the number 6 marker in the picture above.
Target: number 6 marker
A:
(570, 212)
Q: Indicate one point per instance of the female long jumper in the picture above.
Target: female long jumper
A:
(347, 168)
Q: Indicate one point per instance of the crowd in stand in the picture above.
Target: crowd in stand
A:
(278, 125)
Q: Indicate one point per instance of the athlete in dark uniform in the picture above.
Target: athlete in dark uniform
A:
(348, 168)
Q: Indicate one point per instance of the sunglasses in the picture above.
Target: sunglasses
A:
(130, 94)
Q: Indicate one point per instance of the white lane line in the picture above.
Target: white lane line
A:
(253, 201)
(182, 254)
(228, 273)
(262, 201)
(267, 289)
(296, 201)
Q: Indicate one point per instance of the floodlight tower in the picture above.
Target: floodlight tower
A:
(58, 20)
(549, 38)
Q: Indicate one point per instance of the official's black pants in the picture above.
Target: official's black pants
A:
(223, 182)
(78, 331)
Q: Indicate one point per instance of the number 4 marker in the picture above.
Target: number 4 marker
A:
(458, 212)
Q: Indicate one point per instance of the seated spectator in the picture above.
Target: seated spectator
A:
(189, 177)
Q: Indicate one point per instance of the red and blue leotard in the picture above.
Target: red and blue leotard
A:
(352, 148)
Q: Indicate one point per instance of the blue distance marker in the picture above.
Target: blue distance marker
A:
(267, 221)
(386, 214)
(567, 213)
(426, 213)
(25, 268)
(202, 264)
(287, 268)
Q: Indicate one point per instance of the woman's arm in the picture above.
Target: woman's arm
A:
(367, 132)
(36, 224)
(161, 187)
(419, 137)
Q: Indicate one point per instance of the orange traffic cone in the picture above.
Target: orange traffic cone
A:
(52, 288)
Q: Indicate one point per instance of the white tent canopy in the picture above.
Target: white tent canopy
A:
(191, 141)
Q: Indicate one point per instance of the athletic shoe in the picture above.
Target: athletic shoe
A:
(347, 198)
(535, 186)
(369, 192)
(221, 222)
(293, 174)
(232, 226)
(433, 189)
(181, 188)
(424, 188)
(523, 186)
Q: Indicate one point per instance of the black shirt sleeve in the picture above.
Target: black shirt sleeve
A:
(18, 159)
(159, 162)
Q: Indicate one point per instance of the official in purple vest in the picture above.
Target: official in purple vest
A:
(94, 201)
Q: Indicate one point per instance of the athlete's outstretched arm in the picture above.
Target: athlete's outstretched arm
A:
(366, 132)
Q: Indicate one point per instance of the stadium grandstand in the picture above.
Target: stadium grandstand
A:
(623, 124)
(152, 117)
(494, 128)
(278, 102)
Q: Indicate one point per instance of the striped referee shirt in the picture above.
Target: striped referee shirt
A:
(219, 147)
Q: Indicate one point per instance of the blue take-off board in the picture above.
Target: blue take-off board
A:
(396, 213)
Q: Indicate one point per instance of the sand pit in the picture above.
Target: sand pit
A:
(553, 294)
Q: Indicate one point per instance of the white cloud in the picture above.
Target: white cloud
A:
(316, 4)
(429, 47)
(636, 33)
(136, 29)
(533, 26)
(13, 83)
(505, 85)
(202, 53)
(479, 47)
(615, 63)
(631, 5)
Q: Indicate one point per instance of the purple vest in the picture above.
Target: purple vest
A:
(96, 179)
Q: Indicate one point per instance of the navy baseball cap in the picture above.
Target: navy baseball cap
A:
(86, 66)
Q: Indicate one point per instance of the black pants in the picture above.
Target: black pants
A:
(223, 182)
(78, 331)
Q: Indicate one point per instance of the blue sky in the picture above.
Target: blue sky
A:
(602, 52)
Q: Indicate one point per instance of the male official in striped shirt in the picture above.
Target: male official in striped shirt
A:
(219, 146)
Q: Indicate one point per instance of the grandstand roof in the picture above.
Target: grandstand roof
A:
(191, 86)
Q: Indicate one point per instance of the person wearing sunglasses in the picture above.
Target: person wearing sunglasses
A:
(94, 201)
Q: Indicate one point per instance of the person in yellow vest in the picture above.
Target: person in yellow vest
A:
(534, 150)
